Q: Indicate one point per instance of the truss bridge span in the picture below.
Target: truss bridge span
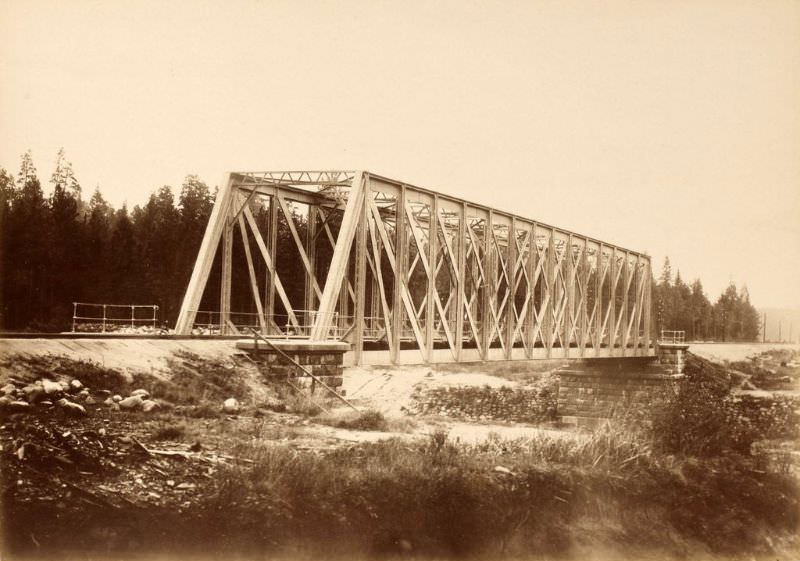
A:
(408, 275)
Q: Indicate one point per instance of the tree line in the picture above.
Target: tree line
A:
(680, 306)
(59, 249)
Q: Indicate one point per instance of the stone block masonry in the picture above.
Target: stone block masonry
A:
(603, 388)
(322, 359)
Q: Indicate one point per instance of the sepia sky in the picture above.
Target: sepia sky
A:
(671, 127)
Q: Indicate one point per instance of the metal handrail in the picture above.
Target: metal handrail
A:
(104, 320)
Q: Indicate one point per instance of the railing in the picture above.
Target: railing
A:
(672, 337)
(210, 323)
(111, 317)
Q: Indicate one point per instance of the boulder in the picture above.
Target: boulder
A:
(90, 400)
(8, 389)
(4, 401)
(18, 407)
(76, 385)
(141, 392)
(102, 394)
(131, 403)
(72, 408)
(45, 403)
(51, 388)
(149, 405)
(231, 405)
(33, 393)
(116, 398)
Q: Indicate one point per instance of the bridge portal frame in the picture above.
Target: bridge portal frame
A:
(432, 277)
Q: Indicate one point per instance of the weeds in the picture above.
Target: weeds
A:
(437, 497)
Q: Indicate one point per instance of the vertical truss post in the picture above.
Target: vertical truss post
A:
(430, 305)
(341, 254)
(612, 302)
(625, 304)
(487, 333)
(648, 282)
(462, 280)
(400, 266)
(225, 290)
(530, 319)
(584, 302)
(639, 300)
(361, 285)
(569, 319)
(550, 288)
(273, 254)
(205, 258)
(598, 302)
(309, 300)
(511, 268)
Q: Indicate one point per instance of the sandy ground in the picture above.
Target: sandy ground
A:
(126, 355)
(733, 352)
(390, 390)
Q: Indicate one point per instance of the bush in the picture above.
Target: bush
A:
(365, 420)
(703, 418)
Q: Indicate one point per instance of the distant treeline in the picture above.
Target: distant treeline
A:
(61, 249)
(680, 306)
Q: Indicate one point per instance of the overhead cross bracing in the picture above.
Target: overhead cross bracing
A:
(409, 275)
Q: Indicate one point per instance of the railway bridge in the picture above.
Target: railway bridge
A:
(407, 275)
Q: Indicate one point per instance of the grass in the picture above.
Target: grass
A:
(445, 499)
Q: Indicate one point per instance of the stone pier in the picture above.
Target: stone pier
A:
(592, 390)
(323, 359)
(671, 356)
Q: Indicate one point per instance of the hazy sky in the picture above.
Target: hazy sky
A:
(667, 126)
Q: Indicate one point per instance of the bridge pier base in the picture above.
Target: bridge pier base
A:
(592, 391)
(322, 359)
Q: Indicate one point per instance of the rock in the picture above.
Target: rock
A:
(503, 470)
(274, 404)
(90, 400)
(51, 388)
(18, 407)
(8, 389)
(33, 393)
(196, 447)
(149, 405)
(76, 385)
(102, 393)
(71, 407)
(130, 403)
(141, 392)
(4, 401)
(231, 405)
(183, 486)
(82, 395)
(46, 403)
(117, 398)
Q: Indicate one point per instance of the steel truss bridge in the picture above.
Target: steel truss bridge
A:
(409, 275)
